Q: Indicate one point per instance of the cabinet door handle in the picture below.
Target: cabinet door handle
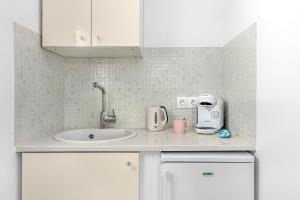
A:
(99, 38)
(82, 38)
(129, 163)
(163, 186)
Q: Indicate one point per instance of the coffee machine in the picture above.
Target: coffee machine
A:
(210, 116)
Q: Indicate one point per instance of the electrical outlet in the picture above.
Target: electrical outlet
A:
(182, 102)
(191, 102)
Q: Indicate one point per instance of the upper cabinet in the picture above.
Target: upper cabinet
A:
(66, 23)
(93, 28)
(116, 23)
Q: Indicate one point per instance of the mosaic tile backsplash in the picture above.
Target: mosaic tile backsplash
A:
(54, 93)
(39, 86)
(240, 82)
(134, 84)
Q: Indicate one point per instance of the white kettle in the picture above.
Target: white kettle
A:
(157, 118)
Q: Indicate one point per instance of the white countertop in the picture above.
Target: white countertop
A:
(145, 141)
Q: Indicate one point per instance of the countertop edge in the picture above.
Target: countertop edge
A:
(144, 141)
(45, 149)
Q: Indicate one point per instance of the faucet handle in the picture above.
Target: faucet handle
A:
(113, 112)
(111, 117)
(114, 115)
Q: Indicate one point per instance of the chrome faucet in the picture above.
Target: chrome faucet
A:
(104, 116)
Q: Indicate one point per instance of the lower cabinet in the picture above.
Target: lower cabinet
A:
(80, 176)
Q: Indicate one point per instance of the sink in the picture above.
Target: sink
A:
(94, 135)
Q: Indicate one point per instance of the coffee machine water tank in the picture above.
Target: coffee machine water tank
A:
(210, 116)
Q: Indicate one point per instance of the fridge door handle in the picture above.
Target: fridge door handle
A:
(163, 186)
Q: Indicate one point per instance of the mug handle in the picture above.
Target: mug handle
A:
(186, 125)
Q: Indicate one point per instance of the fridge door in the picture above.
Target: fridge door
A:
(207, 181)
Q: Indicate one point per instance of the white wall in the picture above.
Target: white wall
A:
(8, 162)
(238, 16)
(188, 23)
(25, 12)
(196, 23)
(278, 100)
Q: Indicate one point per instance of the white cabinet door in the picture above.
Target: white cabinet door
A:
(208, 181)
(66, 23)
(116, 22)
(80, 176)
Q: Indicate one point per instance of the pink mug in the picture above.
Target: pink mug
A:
(180, 126)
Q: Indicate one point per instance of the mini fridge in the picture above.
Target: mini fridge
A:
(207, 176)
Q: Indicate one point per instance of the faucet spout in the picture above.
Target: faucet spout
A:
(104, 116)
(100, 87)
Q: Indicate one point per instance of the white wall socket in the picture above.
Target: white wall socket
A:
(182, 102)
(186, 102)
(191, 102)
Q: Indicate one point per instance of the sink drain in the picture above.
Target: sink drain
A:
(91, 136)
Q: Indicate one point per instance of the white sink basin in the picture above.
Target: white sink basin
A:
(94, 135)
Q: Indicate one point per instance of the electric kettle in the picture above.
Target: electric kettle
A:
(157, 118)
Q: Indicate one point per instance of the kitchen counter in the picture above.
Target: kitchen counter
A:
(144, 141)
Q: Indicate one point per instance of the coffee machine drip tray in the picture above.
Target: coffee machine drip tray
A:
(206, 130)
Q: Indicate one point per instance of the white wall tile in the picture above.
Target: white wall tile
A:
(240, 82)
(134, 84)
(39, 86)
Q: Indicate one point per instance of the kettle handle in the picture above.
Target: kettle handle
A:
(166, 114)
